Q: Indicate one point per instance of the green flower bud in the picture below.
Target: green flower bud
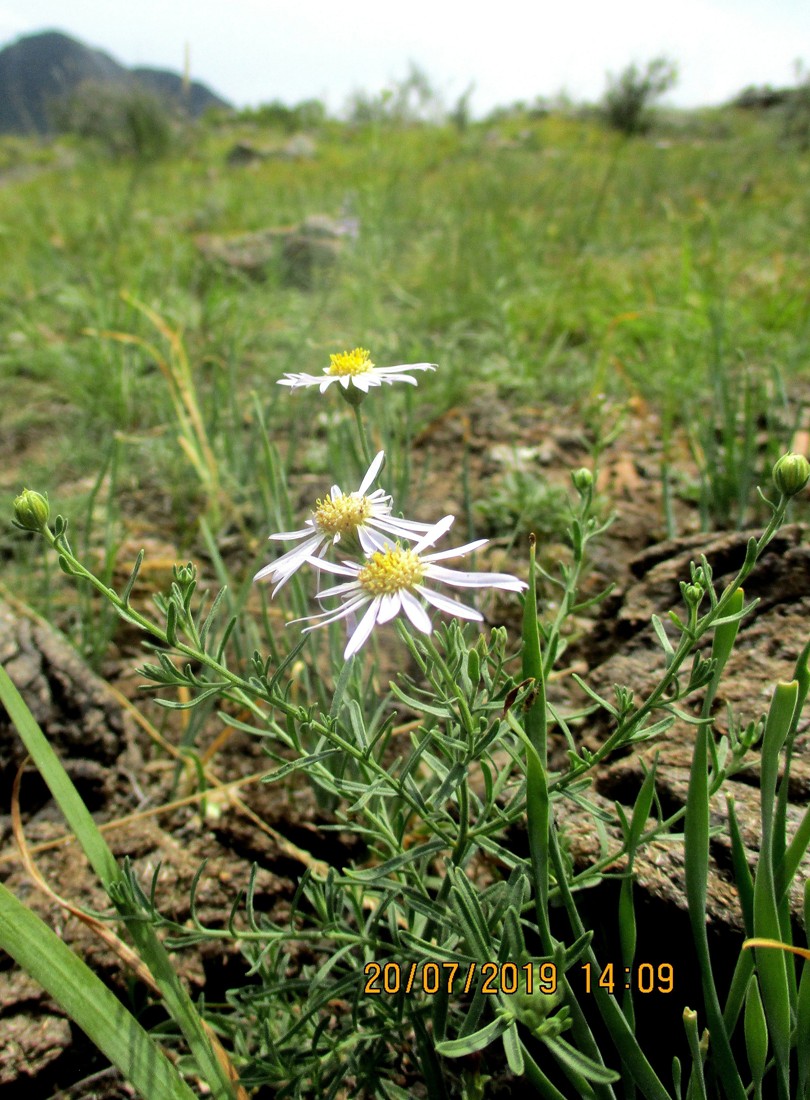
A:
(582, 479)
(533, 1008)
(474, 666)
(31, 511)
(791, 473)
(692, 594)
(185, 574)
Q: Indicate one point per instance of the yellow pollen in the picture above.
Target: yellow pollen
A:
(350, 362)
(341, 516)
(391, 570)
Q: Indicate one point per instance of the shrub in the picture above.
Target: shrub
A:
(126, 122)
(629, 96)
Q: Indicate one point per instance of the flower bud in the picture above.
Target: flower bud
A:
(185, 574)
(791, 473)
(582, 479)
(474, 666)
(533, 1008)
(31, 511)
(692, 594)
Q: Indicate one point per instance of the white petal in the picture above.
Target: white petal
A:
(459, 579)
(363, 629)
(391, 378)
(415, 612)
(405, 366)
(458, 551)
(341, 612)
(370, 540)
(348, 569)
(396, 523)
(390, 605)
(291, 561)
(340, 590)
(451, 607)
(371, 473)
(296, 380)
(434, 533)
(396, 528)
(288, 536)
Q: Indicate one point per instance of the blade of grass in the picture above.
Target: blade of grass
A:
(771, 965)
(87, 1000)
(696, 859)
(103, 862)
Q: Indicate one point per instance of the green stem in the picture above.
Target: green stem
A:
(536, 727)
(365, 443)
(685, 648)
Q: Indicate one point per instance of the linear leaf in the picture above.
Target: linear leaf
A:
(469, 1044)
(87, 1000)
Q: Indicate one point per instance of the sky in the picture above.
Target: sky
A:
(255, 51)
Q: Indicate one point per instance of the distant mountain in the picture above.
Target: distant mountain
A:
(39, 70)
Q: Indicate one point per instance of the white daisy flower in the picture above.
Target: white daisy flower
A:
(354, 368)
(339, 515)
(392, 578)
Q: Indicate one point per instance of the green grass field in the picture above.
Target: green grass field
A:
(537, 260)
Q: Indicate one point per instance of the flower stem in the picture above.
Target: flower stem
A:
(364, 440)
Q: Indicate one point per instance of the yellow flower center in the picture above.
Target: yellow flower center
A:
(391, 570)
(350, 362)
(343, 515)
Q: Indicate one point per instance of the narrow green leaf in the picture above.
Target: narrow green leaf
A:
(133, 577)
(103, 863)
(189, 704)
(576, 1061)
(803, 1013)
(50, 768)
(696, 859)
(538, 804)
(297, 765)
(603, 703)
(743, 879)
(513, 1049)
(209, 618)
(641, 810)
(756, 1032)
(783, 857)
(421, 706)
(771, 965)
(382, 870)
(468, 908)
(171, 624)
(85, 998)
(479, 1040)
(661, 634)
